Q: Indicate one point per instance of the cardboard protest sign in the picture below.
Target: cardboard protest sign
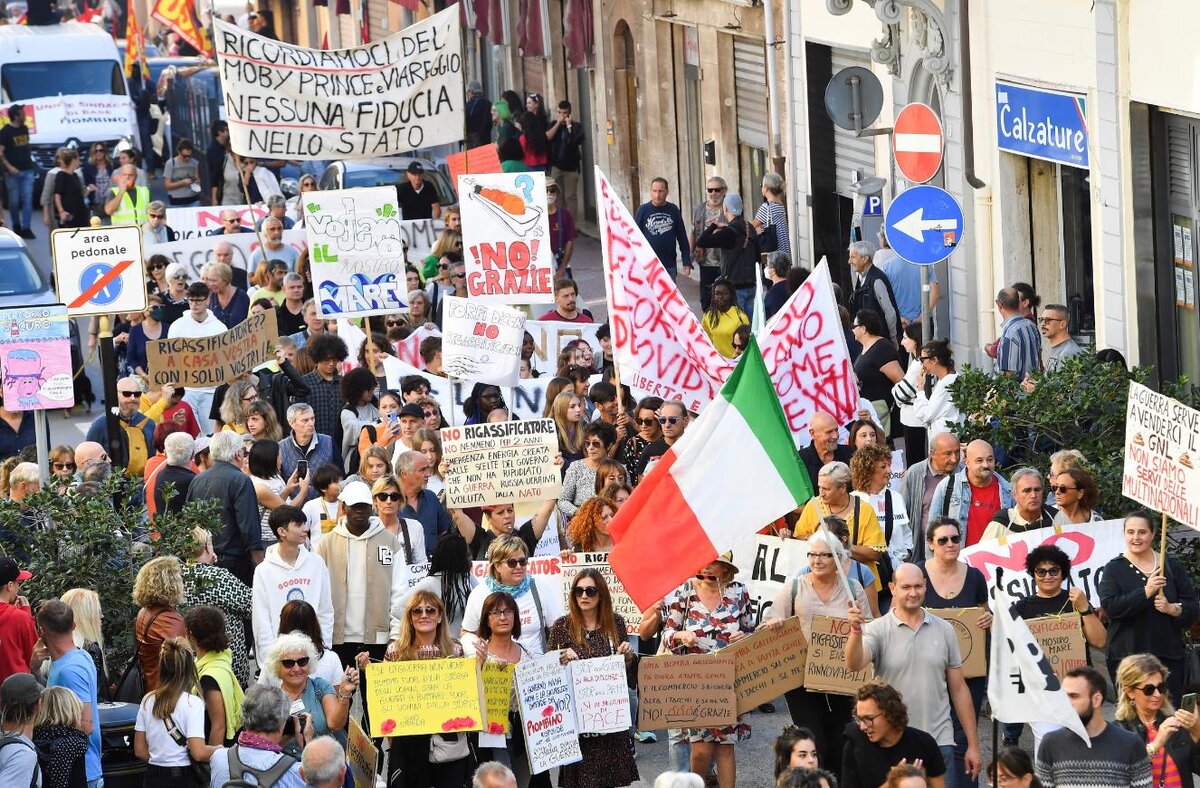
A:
(424, 696)
(1162, 455)
(212, 361)
(766, 564)
(1089, 546)
(197, 221)
(361, 755)
(391, 96)
(482, 341)
(546, 573)
(497, 688)
(1061, 638)
(686, 691)
(601, 692)
(769, 663)
(35, 358)
(473, 161)
(826, 669)
(195, 251)
(547, 712)
(506, 238)
(501, 462)
(623, 606)
(972, 640)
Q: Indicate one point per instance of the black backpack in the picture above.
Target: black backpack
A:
(9, 738)
(266, 777)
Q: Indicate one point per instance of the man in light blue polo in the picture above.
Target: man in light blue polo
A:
(73, 668)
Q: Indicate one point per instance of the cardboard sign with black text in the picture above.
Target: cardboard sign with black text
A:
(1061, 637)
(204, 362)
(686, 691)
(769, 663)
(972, 640)
(825, 670)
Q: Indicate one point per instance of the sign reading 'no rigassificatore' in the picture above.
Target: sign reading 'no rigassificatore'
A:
(388, 97)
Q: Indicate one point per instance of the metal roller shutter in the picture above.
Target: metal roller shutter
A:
(851, 154)
(750, 87)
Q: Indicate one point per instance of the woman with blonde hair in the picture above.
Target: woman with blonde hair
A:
(89, 634)
(1144, 708)
(169, 732)
(588, 530)
(508, 571)
(373, 465)
(429, 443)
(58, 734)
(158, 592)
(567, 412)
(205, 583)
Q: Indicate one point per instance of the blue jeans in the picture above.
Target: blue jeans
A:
(745, 299)
(20, 197)
(951, 773)
(96, 783)
(679, 750)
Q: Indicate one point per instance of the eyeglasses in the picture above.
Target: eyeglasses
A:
(942, 541)
(514, 563)
(551, 190)
(131, 394)
(424, 611)
(388, 496)
(927, 358)
(1051, 320)
(458, 276)
(250, 398)
(866, 719)
(292, 663)
(645, 422)
(154, 266)
(588, 591)
(1151, 689)
(1047, 571)
(708, 577)
(64, 466)
(714, 191)
(594, 445)
(1062, 488)
(822, 556)
(501, 612)
(668, 419)
(200, 300)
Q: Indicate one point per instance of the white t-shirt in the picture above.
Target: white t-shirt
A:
(188, 717)
(531, 624)
(315, 511)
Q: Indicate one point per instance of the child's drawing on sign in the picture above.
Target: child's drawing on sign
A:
(517, 211)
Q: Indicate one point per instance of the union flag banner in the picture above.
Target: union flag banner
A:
(135, 45)
(178, 15)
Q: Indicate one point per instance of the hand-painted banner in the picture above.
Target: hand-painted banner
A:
(769, 663)
(497, 694)
(825, 670)
(197, 250)
(687, 691)
(212, 361)
(501, 462)
(1162, 455)
(623, 606)
(658, 343)
(195, 221)
(506, 238)
(424, 696)
(482, 341)
(35, 358)
(380, 99)
(1062, 641)
(1089, 546)
(551, 336)
(408, 349)
(765, 564)
(547, 712)
(52, 119)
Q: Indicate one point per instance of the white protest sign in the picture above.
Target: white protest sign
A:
(501, 462)
(1162, 452)
(551, 336)
(85, 117)
(601, 692)
(528, 396)
(506, 238)
(765, 565)
(623, 606)
(1089, 546)
(194, 221)
(547, 712)
(482, 341)
(195, 251)
(391, 96)
(408, 349)
(98, 270)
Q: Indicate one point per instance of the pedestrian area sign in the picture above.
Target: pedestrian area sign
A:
(924, 224)
(98, 270)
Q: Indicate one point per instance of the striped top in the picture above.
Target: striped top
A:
(1019, 349)
(775, 215)
(1117, 759)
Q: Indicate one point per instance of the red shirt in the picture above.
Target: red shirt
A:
(17, 636)
(581, 317)
(1163, 770)
(985, 502)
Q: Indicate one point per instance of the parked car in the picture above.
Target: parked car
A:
(385, 172)
(22, 282)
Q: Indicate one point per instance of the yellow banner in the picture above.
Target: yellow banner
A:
(424, 696)
(497, 692)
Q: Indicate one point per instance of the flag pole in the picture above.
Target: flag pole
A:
(995, 722)
(1162, 547)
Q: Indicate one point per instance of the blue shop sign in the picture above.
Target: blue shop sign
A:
(1044, 124)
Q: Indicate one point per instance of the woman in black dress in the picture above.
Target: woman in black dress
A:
(70, 207)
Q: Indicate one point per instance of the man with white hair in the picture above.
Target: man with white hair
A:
(24, 480)
(176, 471)
(493, 774)
(872, 290)
(277, 209)
(223, 252)
(289, 315)
(273, 247)
(238, 540)
(230, 304)
(265, 712)
(123, 208)
(137, 431)
(305, 443)
(323, 764)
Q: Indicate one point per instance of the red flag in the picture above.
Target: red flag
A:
(179, 17)
(135, 45)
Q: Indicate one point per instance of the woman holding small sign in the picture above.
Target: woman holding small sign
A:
(1142, 707)
(591, 629)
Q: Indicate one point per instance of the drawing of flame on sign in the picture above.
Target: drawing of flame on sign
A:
(510, 208)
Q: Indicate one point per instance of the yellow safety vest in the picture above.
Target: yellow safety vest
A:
(131, 211)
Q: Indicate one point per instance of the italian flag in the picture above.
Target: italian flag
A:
(734, 471)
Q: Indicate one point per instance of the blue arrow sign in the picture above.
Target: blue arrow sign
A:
(924, 225)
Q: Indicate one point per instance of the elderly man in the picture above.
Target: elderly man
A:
(137, 431)
(1030, 511)
(238, 539)
(231, 224)
(223, 252)
(176, 471)
(196, 323)
(277, 209)
(1019, 348)
(1054, 327)
(305, 443)
(905, 279)
(314, 325)
(229, 304)
(155, 229)
(24, 480)
(708, 212)
(323, 763)
(921, 480)
(824, 448)
(493, 774)
(872, 290)
(289, 315)
(265, 712)
(421, 505)
(123, 208)
(973, 496)
(273, 247)
(88, 451)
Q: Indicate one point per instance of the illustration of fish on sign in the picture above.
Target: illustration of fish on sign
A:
(517, 212)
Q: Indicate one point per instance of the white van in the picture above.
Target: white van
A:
(71, 81)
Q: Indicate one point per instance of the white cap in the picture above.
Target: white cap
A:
(355, 493)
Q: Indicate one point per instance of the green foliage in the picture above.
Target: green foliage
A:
(85, 540)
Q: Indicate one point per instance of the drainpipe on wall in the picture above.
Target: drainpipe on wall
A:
(778, 160)
(964, 40)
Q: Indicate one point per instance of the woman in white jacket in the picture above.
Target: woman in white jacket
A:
(938, 408)
(905, 393)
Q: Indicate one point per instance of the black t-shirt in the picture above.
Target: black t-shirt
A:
(287, 322)
(652, 452)
(69, 189)
(414, 204)
(866, 765)
(16, 147)
(872, 383)
(1034, 606)
(483, 540)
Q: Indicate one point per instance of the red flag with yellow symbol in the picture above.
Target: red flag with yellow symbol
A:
(135, 45)
(179, 17)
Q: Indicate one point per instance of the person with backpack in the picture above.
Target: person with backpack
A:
(62, 746)
(73, 668)
(738, 243)
(169, 732)
(259, 753)
(20, 696)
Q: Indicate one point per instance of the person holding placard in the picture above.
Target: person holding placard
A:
(508, 571)
(502, 519)
(706, 614)
(592, 629)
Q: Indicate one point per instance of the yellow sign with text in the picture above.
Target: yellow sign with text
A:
(424, 696)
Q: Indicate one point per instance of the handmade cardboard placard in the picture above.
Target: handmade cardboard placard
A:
(1061, 638)
(687, 691)
(205, 362)
(623, 606)
(769, 663)
(825, 670)
(972, 640)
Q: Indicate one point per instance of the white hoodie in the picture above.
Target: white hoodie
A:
(276, 584)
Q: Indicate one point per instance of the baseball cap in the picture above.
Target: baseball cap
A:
(355, 493)
(20, 688)
(412, 410)
(416, 166)
(733, 203)
(9, 571)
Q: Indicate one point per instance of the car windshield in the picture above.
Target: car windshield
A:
(18, 275)
(25, 81)
(385, 176)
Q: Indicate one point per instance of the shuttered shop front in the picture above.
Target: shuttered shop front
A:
(750, 87)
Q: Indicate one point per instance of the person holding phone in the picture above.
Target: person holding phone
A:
(1144, 708)
(317, 707)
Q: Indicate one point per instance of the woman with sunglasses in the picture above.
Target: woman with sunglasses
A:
(156, 274)
(706, 614)
(62, 465)
(1075, 496)
(579, 483)
(648, 430)
(935, 410)
(319, 708)
(175, 297)
(820, 591)
(592, 629)
(308, 183)
(97, 174)
(388, 500)
(508, 571)
(1171, 735)
(449, 241)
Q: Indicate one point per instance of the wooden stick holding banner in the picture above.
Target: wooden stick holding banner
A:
(1162, 548)
(835, 545)
(237, 160)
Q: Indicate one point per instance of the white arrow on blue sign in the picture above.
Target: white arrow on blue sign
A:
(924, 224)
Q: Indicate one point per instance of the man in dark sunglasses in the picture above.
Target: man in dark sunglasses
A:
(673, 419)
(137, 430)
(708, 211)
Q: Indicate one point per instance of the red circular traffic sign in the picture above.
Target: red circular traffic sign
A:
(917, 143)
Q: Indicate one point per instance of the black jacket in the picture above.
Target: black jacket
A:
(1134, 626)
(1180, 748)
(240, 530)
(738, 242)
(812, 463)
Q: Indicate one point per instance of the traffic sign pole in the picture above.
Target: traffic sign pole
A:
(117, 452)
(926, 309)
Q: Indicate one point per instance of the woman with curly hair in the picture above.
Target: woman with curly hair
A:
(870, 473)
(588, 530)
(158, 592)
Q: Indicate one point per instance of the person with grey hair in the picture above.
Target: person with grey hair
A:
(23, 480)
(238, 539)
(155, 229)
(176, 471)
(771, 217)
(290, 663)
(230, 304)
(265, 712)
(305, 443)
(128, 203)
(137, 431)
(867, 542)
(706, 213)
(678, 780)
(1029, 511)
(421, 505)
(776, 270)
(273, 247)
(494, 774)
(872, 290)
(277, 209)
(289, 315)
(737, 242)
(479, 116)
(323, 764)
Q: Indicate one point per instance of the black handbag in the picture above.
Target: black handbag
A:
(132, 686)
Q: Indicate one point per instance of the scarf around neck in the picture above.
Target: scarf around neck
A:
(522, 587)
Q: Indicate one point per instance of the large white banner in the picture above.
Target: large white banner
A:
(391, 96)
(506, 238)
(766, 564)
(88, 118)
(482, 342)
(195, 252)
(551, 336)
(193, 221)
(1162, 452)
(526, 400)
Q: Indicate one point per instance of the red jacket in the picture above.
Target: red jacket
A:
(17, 636)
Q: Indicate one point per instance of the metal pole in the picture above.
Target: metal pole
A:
(108, 373)
(926, 312)
(42, 429)
(777, 160)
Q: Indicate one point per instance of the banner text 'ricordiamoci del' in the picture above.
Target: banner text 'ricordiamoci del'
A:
(391, 96)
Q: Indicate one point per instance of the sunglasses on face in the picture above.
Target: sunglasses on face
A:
(158, 216)
(1059, 489)
(1047, 571)
(197, 300)
(390, 323)
(594, 445)
(388, 496)
(668, 420)
(1153, 689)
(736, 346)
(714, 191)
(706, 576)
(645, 422)
(552, 190)
(291, 663)
(130, 394)
(945, 540)
(64, 466)
(424, 611)
(157, 266)
(514, 563)
(588, 591)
